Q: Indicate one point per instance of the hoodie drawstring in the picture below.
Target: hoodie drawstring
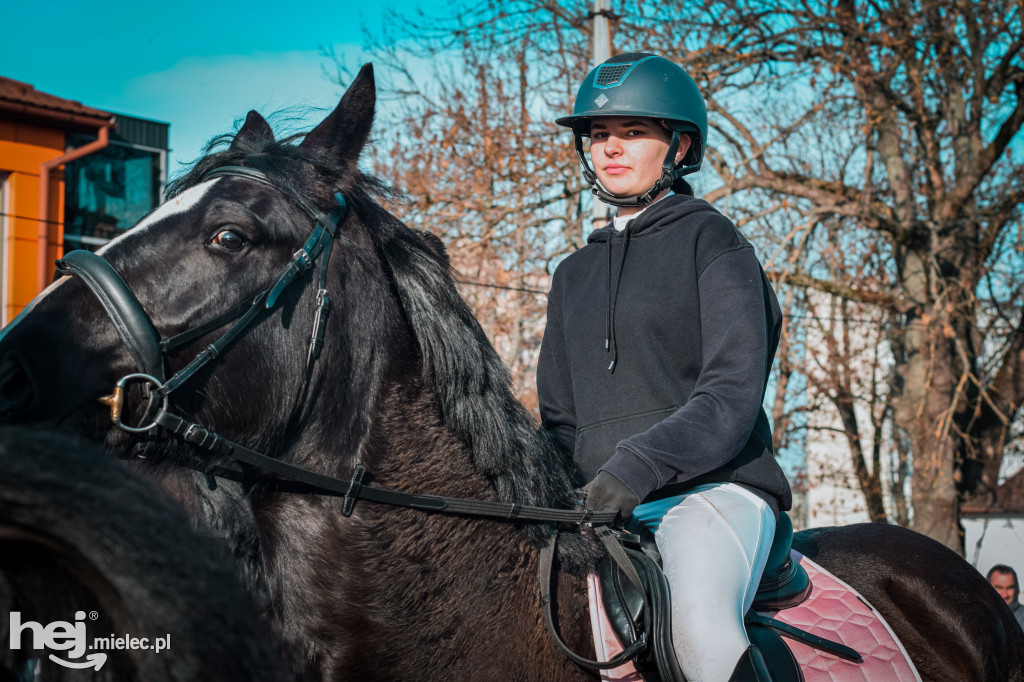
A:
(608, 302)
(610, 343)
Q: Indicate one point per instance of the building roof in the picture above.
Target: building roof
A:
(22, 101)
(1006, 500)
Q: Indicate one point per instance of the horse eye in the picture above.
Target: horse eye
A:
(228, 239)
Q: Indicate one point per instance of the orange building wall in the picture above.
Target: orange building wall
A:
(23, 149)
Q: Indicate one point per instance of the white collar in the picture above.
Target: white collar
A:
(620, 221)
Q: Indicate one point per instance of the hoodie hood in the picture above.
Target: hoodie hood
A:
(658, 216)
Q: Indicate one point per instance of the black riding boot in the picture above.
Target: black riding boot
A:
(751, 667)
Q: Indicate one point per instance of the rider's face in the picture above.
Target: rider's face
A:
(627, 153)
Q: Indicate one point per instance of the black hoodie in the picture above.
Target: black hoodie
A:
(656, 355)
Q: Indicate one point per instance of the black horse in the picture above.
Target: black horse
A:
(80, 535)
(406, 387)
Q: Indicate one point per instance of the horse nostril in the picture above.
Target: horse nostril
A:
(15, 386)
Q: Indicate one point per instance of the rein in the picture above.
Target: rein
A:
(142, 340)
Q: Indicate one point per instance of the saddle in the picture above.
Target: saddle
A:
(634, 618)
(641, 620)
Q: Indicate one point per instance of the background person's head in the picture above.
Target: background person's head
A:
(1004, 580)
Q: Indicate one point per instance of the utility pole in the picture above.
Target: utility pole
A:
(602, 31)
(602, 52)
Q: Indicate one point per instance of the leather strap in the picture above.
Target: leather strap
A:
(214, 350)
(840, 650)
(307, 206)
(121, 306)
(304, 481)
(188, 336)
(545, 576)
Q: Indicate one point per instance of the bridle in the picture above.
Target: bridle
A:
(141, 339)
(145, 346)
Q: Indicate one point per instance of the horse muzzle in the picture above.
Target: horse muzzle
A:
(42, 376)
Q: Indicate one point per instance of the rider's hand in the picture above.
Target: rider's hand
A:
(606, 493)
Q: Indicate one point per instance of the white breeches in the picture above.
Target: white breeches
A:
(714, 544)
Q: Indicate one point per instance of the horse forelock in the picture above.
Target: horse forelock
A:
(313, 173)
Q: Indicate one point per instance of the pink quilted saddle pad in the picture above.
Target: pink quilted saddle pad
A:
(833, 610)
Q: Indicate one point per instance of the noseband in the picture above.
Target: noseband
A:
(121, 306)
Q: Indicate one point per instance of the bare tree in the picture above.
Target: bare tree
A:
(873, 139)
(924, 101)
(469, 138)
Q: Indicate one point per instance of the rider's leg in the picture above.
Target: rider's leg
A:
(714, 544)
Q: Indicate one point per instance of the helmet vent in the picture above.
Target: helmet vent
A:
(609, 75)
(615, 70)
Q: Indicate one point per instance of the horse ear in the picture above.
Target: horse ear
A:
(254, 130)
(343, 133)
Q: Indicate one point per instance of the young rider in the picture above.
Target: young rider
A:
(660, 337)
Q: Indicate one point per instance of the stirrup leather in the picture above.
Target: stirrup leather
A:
(750, 667)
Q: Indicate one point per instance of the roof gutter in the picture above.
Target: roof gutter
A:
(44, 270)
(66, 120)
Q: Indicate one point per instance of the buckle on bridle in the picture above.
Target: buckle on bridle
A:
(115, 401)
(353, 490)
(302, 260)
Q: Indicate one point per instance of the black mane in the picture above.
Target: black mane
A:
(284, 161)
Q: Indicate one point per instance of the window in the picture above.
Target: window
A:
(109, 191)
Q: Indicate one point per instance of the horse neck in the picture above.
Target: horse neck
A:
(386, 581)
(411, 449)
(422, 593)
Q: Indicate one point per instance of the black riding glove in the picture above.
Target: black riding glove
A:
(606, 493)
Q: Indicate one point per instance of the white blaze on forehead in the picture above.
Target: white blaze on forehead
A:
(179, 204)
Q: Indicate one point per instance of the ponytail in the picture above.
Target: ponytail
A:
(681, 186)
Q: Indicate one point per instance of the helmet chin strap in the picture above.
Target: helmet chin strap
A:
(669, 174)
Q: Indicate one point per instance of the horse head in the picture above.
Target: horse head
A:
(217, 243)
(223, 239)
(272, 300)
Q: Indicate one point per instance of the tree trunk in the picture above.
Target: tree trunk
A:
(923, 410)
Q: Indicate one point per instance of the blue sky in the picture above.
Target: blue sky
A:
(196, 65)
